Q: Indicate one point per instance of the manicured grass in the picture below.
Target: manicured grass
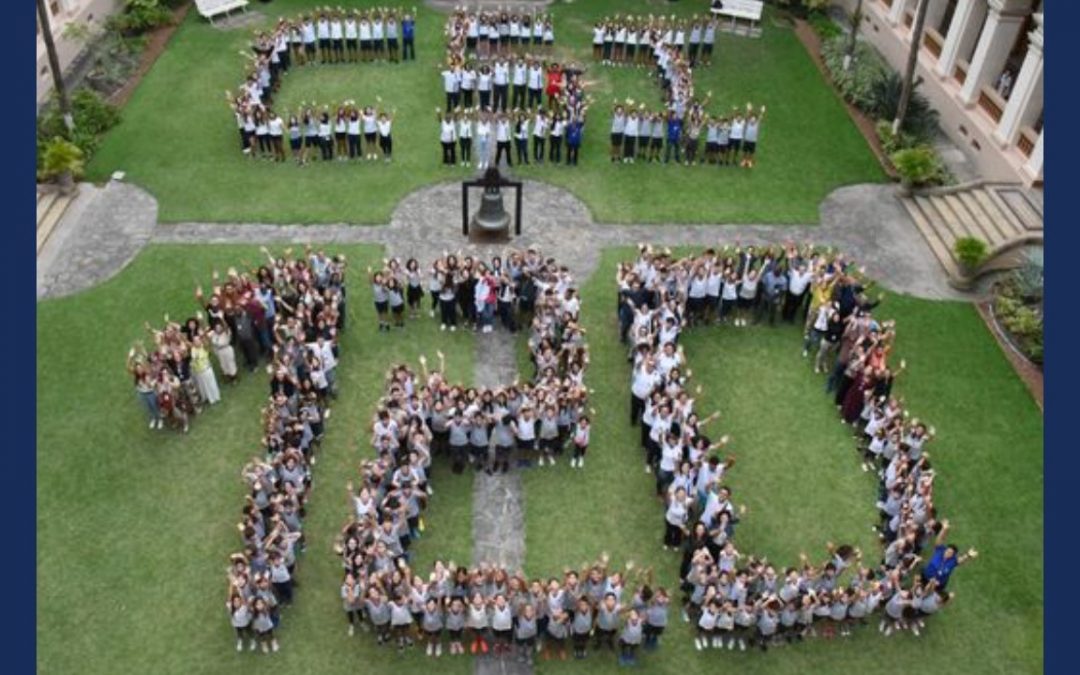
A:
(134, 526)
(798, 474)
(179, 140)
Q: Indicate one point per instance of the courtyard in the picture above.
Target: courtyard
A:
(135, 526)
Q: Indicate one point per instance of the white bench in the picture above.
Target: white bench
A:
(740, 9)
(211, 8)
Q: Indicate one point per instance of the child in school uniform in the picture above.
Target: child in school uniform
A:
(521, 138)
(455, 625)
(447, 137)
(618, 127)
(630, 638)
(580, 441)
(539, 131)
(465, 135)
(382, 300)
(384, 127)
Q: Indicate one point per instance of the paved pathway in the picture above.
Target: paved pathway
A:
(498, 529)
(866, 221)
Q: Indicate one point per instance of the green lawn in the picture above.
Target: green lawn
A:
(134, 526)
(179, 140)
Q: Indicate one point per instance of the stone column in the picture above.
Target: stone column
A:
(935, 12)
(964, 30)
(1034, 165)
(896, 12)
(1003, 24)
(1026, 99)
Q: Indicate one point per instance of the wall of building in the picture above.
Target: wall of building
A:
(64, 12)
(968, 126)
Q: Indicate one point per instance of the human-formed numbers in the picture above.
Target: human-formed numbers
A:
(675, 47)
(734, 598)
(731, 600)
(307, 294)
(342, 131)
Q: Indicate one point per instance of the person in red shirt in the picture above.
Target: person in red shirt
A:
(555, 83)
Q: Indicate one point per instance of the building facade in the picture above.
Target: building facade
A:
(981, 64)
(62, 13)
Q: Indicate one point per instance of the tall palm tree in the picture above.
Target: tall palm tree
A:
(54, 66)
(912, 61)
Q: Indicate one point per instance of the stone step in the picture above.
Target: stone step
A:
(52, 216)
(994, 229)
(1003, 219)
(942, 219)
(942, 247)
(1021, 207)
(975, 224)
(44, 202)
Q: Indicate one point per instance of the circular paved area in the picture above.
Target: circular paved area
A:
(866, 221)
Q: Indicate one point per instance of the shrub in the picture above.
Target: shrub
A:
(917, 165)
(60, 157)
(884, 101)
(890, 142)
(825, 27)
(855, 83)
(92, 117)
(113, 58)
(1028, 278)
(139, 16)
(970, 251)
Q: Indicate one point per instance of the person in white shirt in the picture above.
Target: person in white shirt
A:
(483, 140)
(451, 76)
(555, 136)
(468, 85)
(536, 84)
(465, 136)
(386, 143)
(502, 140)
(540, 130)
(352, 38)
(501, 80)
(520, 78)
(447, 136)
(322, 29)
(337, 39)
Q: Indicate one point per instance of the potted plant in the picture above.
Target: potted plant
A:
(916, 166)
(63, 161)
(971, 254)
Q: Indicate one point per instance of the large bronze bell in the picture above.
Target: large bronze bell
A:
(492, 217)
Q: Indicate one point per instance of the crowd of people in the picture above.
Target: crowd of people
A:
(296, 306)
(501, 91)
(482, 34)
(678, 129)
(735, 599)
(325, 36)
(632, 40)
(490, 611)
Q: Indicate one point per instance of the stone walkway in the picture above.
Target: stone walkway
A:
(866, 221)
(96, 238)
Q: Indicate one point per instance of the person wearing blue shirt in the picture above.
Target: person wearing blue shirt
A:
(945, 559)
(408, 33)
(674, 138)
(574, 132)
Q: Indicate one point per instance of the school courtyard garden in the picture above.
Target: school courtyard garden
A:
(135, 526)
